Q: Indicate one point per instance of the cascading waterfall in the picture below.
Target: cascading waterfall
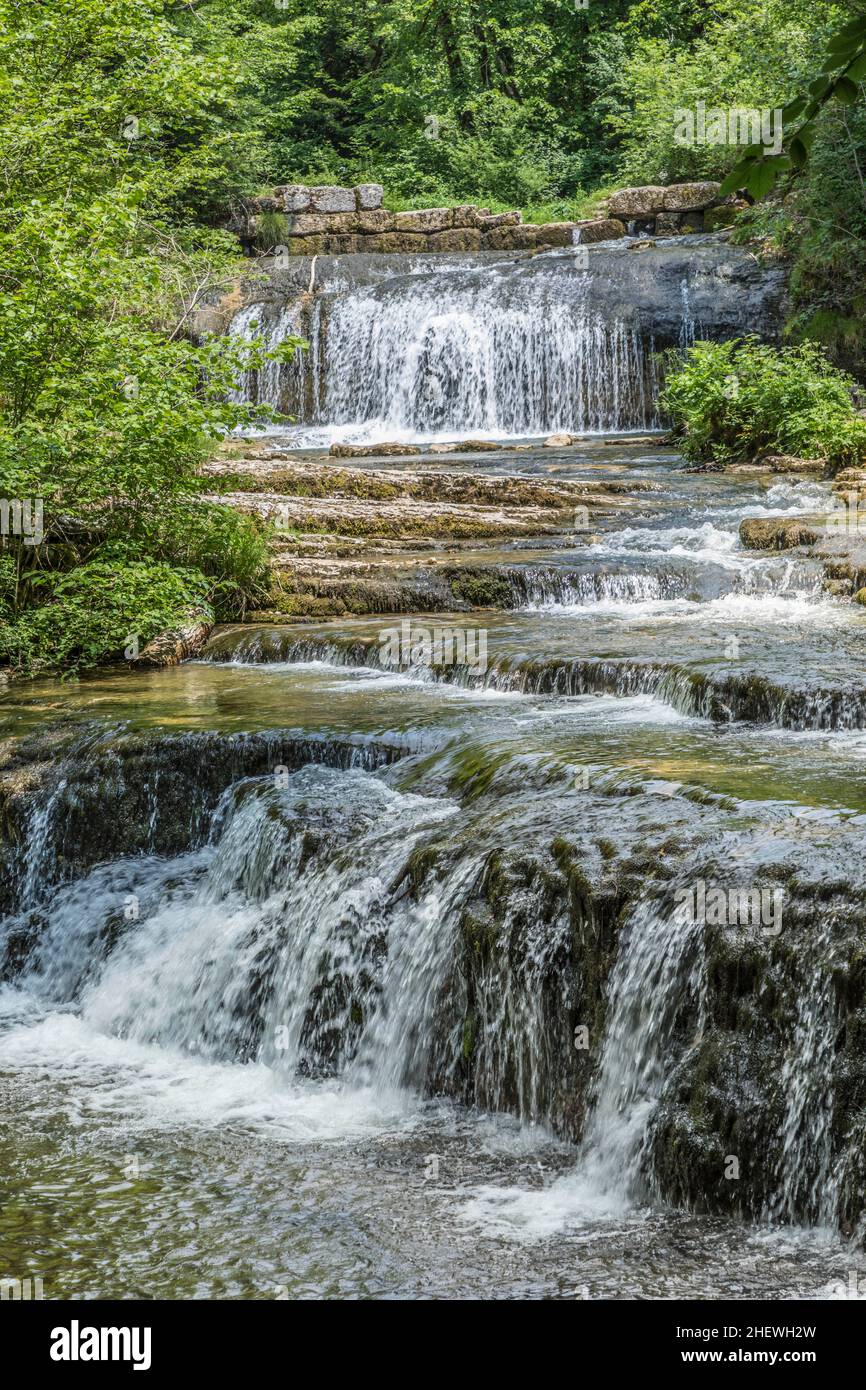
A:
(659, 967)
(465, 351)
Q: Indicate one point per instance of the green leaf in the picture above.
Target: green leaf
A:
(857, 68)
(846, 91)
(794, 109)
(799, 152)
(737, 178)
(763, 177)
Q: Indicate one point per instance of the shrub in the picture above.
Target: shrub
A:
(91, 614)
(737, 400)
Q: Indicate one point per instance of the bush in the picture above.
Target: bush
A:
(92, 614)
(738, 400)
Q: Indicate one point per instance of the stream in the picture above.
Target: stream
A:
(337, 974)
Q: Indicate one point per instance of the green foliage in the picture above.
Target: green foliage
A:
(107, 408)
(839, 80)
(735, 401)
(96, 611)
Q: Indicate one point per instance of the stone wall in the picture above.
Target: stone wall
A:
(301, 220)
(307, 221)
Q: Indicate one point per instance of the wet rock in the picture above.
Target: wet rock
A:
(457, 239)
(757, 533)
(669, 224)
(601, 229)
(510, 238)
(560, 441)
(179, 643)
(360, 451)
(860, 597)
(556, 234)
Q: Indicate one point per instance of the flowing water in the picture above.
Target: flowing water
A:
(334, 971)
(445, 347)
(385, 958)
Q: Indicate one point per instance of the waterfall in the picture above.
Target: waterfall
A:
(659, 967)
(457, 352)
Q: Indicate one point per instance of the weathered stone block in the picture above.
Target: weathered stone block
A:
(556, 234)
(688, 197)
(424, 220)
(692, 222)
(602, 229)
(305, 224)
(306, 245)
(637, 202)
(457, 239)
(520, 238)
(377, 221)
(668, 224)
(465, 215)
(489, 221)
(368, 196)
(402, 241)
(343, 245)
(329, 198)
(295, 197)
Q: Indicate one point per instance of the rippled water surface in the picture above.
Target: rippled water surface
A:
(160, 1137)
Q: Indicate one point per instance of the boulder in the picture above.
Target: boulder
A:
(400, 241)
(637, 202)
(668, 224)
(692, 222)
(329, 198)
(306, 245)
(690, 197)
(376, 221)
(601, 229)
(465, 215)
(307, 224)
(757, 533)
(368, 196)
(511, 238)
(344, 245)
(560, 441)
(423, 220)
(489, 221)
